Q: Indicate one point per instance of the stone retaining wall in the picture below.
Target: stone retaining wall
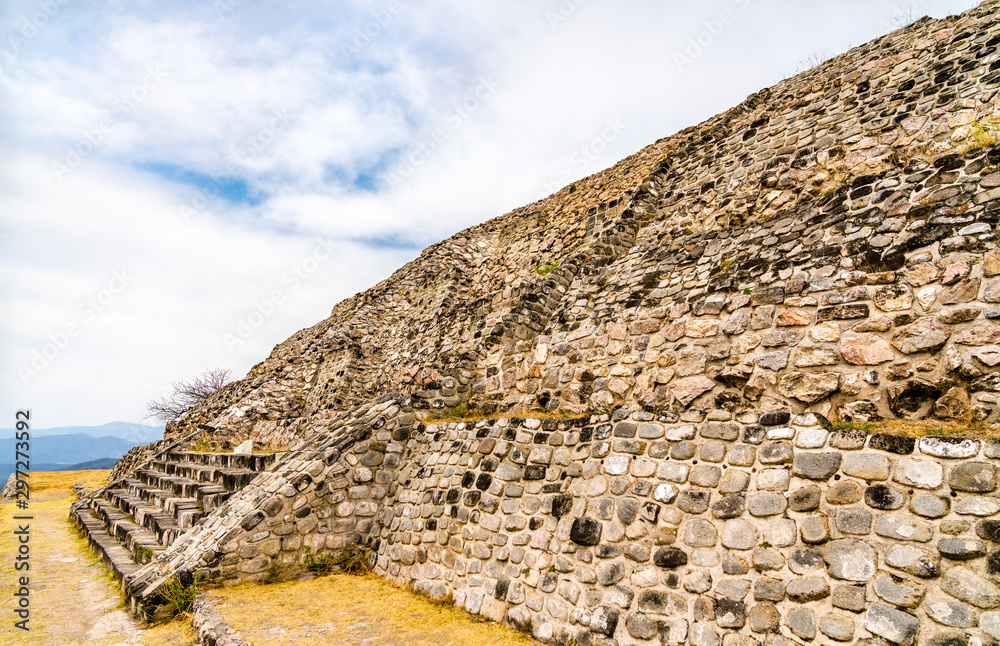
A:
(705, 528)
(210, 626)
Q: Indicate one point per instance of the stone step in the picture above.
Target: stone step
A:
(186, 511)
(144, 513)
(207, 497)
(137, 540)
(159, 472)
(122, 527)
(163, 525)
(118, 559)
(250, 461)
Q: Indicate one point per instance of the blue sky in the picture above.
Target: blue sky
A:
(186, 184)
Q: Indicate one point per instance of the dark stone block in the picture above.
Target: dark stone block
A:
(602, 432)
(651, 512)
(768, 296)
(694, 501)
(730, 613)
(989, 530)
(952, 638)
(949, 162)
(729, 507)
(805, 499)
(252, 520)
(468, 479)
(534, 472)
(775, 418)
(670, 557)
(892, 443)
(561, 505)
(628, 509)
(625, 429)
(654, 601)
(754, 434)
(273, 506)
(454, 495)
(842, 313)
(484, 481)
(604, 620)
(993, 563)
(881, 496)
(586, 531)
(503, 584)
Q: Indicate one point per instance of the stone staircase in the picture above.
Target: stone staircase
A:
(133, 519)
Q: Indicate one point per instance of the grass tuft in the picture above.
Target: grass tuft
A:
(355, 558)
(178, 597)
(545, 270)
(275, 573)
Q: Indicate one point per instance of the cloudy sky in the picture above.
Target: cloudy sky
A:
(185, 184)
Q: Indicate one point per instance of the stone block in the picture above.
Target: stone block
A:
(976, 477)
(867, 466)
(816, 466)
(850, 559)
(894, 625)
(966, 585)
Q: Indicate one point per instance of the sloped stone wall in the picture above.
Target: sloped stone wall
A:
(743, 201)
(847, 309)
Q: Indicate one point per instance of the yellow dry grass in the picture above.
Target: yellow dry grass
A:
(178, 632)
(923, 428)
(473, 415)
(343, 609)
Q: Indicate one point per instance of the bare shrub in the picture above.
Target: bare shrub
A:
(187, 393)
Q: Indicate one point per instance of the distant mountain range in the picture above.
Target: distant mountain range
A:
(102, 464)
(137, 433)
(73, 448)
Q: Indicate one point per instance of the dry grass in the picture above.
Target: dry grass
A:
(178, 632)
(923, 428)
(344, 609)
(473, 415)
